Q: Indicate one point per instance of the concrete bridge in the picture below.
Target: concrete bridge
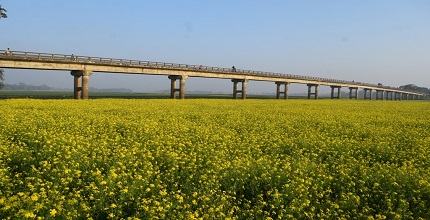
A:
(82, 67)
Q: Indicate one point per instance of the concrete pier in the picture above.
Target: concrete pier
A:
(353, 95)
(77, 85)
(397, 96)
(236, 91)
(389, 95)
(333, 94)
(379, 94)
(279, 92)
(370, 94)
(181, 89)
(80, 85)
(315, 93)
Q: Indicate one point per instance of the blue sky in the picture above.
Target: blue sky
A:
(372, 41)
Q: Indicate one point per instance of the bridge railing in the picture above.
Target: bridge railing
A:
(151, 64)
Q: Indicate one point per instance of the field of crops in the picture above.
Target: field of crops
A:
(214, 159)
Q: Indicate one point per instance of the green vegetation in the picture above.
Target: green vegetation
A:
(412, 87)
(3, 12)
(1, 79)
(214, 159)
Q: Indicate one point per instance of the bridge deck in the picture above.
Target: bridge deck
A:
(32, 60)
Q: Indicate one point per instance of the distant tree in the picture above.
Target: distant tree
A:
(3, 12)
(412, 87)
(1, 78)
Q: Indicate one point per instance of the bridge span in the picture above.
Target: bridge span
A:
(82, 67)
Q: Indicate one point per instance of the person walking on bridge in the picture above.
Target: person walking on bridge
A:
(233, 69)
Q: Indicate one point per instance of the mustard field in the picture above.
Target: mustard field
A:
(214, 159)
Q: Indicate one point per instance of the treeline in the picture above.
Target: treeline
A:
(412, 87)
(27, 87)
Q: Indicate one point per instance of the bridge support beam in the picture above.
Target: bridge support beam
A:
(353, 95)
(333, 94)
(181, 89)
(236, 91)
(405, 96)
(370, 93)
(80, 85)
(389, 95)
(77, 85)
(380, 94)
(397, 96)
(315, 93)
(279, 92)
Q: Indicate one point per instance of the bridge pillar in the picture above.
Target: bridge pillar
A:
(77, 85)
(405, 96)
(315, 93)
(370, 94)
(397, 96)
(333, 96)
(181, 89)
(379, 94)
(236, 91)
(353, 95)
(85, 87)
(279, 92)
(80, 85)
(389, 95)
